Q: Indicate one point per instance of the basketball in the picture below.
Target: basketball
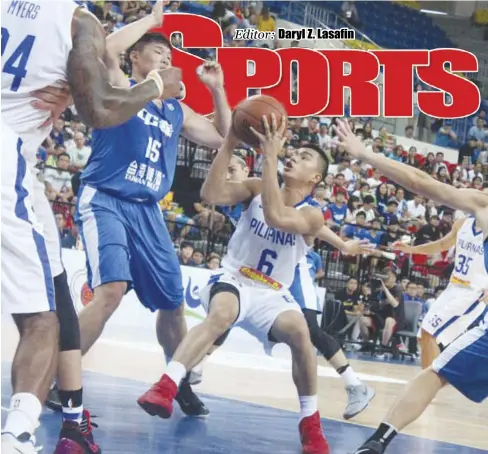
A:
(250, 112)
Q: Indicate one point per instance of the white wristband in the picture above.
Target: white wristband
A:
(154, 75)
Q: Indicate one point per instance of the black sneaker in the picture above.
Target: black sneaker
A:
(189, 402)
(53, 401)
(371, 447)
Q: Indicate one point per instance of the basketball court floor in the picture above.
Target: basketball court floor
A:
(253, 405)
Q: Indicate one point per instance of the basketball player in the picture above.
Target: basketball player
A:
(459, 305)
(463, 363)
(273, 234)
(63, 41)
(130, 169)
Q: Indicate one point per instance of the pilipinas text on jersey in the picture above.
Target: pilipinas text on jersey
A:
(469, 265)
(256, 246)
(136, 161)
(36, 42)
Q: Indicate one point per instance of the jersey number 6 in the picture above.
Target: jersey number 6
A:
(265, 265)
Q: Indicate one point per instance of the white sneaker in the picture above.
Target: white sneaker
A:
(23, 444)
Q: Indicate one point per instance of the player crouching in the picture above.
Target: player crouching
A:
(275, 231)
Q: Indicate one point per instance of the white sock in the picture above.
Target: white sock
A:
(23, 416)
(73, 414)
(176, 371)
(350, 378)
(308, 406)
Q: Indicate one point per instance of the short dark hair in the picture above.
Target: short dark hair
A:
(146, 39)
(323, 156)
(409, 127)
(64, 154)
(185, 244)
(368, 199)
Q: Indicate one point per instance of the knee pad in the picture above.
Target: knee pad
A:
(69, 328)
(321, 340)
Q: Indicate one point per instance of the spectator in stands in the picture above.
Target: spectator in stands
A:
(57, 134)
(338, 210)
(80, 153)
(388, 314)
(429, 164)
(443, 176)
(397, 153)
(349, 299)
(58, 181)
(439, 161)
(61, 224)
(409, 132)
(213, 261)
(53, 154)
(478, 183)
(479, 134)
(368, 208)
(266, 22)
(197, 258)
(467, 150)
(411, 158)
(358, 230)
(416, 210)
(319, 196)
(71, 238)
(226, 19)
(429, 232)
(375, 179)
(173, 7)
(402, 204)
(324, 137)
(446, 137)
(382, 197)
(445, 223)
(376, 234)
(481, 115)
(393, 233)
(350, 13)
(352, 209)
(390, 215)
(340, 185)
(129, 9)
(186, 252)
(456, 179)
(363, 190)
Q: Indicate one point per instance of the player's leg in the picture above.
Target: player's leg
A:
(429, 349)
(462, 364)
(28, 294)
(106, 246)
(358, 394)
(222, 302)
(289, 326)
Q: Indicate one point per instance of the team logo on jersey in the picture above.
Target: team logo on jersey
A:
(152, 120)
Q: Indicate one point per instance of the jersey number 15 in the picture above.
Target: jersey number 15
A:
(16, 63)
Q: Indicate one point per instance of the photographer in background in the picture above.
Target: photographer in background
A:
(386, 312)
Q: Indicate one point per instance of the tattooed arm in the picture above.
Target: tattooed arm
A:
(98, 103)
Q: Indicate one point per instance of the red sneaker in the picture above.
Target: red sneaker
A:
(158, 401)
(311, 435)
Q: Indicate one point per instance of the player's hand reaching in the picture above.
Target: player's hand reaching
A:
(54, 99)
(402, 247)
(273, 139)
(349, 140)
(211, 74)
(358, 247)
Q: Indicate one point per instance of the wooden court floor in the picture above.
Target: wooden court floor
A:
(451, 418)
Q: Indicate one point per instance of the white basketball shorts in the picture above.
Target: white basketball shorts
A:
(27, 283)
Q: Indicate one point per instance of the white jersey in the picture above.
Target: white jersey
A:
(262, 252)
(470, 268)
(36, 42)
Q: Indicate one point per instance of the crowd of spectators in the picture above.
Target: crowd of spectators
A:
(357, 201)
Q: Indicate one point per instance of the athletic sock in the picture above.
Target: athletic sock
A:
(384, 434)
(349, 376)
(308, 406)
(72, 403)
(23, 416)
(176, 371)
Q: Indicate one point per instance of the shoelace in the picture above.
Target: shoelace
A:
(87, 424)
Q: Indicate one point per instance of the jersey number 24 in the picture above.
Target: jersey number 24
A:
(16, 63)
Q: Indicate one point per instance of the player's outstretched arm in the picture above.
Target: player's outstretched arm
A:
(412, 179)
(199, 129)
(306, 221)
(216, 190)
(352, 247)
(436, 247)
(98, 103)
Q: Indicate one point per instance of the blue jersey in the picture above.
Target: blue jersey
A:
(314, 263)
(136, 160)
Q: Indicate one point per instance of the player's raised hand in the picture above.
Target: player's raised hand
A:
(157, 12)
(358, 247)
(211, 74)
(272, 141)
(54, 99)
(349, 140)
